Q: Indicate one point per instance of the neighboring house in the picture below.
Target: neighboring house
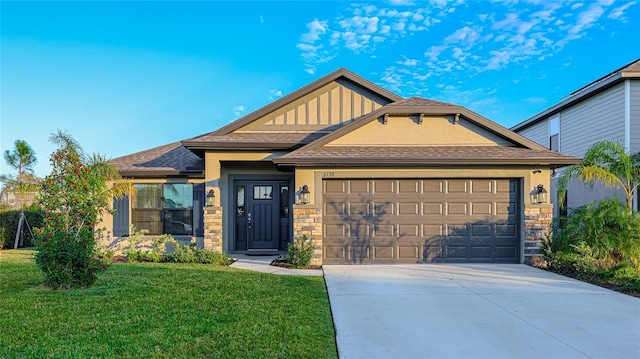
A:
(15, 201)
(606, 109)
(370, 176)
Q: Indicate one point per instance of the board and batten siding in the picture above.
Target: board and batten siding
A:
(635, 115)
(598, 118)
(538, 133)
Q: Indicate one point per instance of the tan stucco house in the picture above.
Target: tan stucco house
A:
(370, 176)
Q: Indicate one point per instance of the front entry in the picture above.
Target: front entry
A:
(262, 215)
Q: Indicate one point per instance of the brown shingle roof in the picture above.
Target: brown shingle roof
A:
(425, 155)
(418, 101)
(171, 159)
(254, 139)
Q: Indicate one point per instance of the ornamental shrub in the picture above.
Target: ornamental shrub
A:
(192, 254)
(300, 252)
(73, 200)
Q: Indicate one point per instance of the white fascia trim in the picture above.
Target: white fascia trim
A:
(627, 115)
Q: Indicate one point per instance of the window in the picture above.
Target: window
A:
(164, 208)
(240, 202)
(554, 134)
(262, 192)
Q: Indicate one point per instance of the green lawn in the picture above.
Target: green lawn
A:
(163, 311)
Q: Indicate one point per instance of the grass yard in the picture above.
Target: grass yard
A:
(163, 311)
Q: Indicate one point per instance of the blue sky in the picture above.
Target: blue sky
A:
(122, 77)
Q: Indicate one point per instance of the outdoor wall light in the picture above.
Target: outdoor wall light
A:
(539, 195)
(210, 198)
(304, 194)
(537, 171)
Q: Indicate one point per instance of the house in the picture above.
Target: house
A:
(370, 176)
(605, 109)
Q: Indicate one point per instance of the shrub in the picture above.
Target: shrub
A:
(192, 254)
(601, 237)
(9, 225)
(300, 252)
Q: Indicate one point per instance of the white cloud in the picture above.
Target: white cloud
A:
(274, 94)
(408, 62)
(434, 51)
(261, 19)
(618, 13)
(238, 111)
(316, 29)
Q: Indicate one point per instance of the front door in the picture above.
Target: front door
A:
(262, 215)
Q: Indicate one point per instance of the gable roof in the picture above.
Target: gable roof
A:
(523, 151)
(166, 160)
(224, 138)
(628, 71)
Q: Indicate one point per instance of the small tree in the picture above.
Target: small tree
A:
(74, 197)
(607, 162)
(22, 159)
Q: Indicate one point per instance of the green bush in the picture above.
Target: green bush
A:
(598, 237)
(300, 252)
(9, 225)
(192, 254)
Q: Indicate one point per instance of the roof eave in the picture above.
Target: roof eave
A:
(422, 162)
(161, 173)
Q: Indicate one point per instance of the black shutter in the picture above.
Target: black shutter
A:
(121, 217)
(198, 210)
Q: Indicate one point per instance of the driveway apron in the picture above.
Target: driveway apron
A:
(477, 311)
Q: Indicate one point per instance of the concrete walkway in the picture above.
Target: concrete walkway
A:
(477, 311)
(262, 264)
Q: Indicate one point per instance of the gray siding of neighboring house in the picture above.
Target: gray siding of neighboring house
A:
(635, 116)
(538, 133)
(598, 118)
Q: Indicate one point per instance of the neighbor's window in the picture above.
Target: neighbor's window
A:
(164, 208)
(554, 134)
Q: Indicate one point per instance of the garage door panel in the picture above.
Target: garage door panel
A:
(335, 252)
(384, 208)
(384, 186)
(408, 208)
(481, 252)
(332, 187)
(433, 187)
(384, 252)
(359, 253)
(430, 208)
(457, 186)
(422, 220)
(457, 208)
(482, 208)
(384, 230)
(359, 186)
(409, 186)
(482, 186)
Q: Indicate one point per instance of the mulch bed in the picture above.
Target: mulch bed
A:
(284, 264)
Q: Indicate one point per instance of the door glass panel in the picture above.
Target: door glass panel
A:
(284, 202)
(262, 192)
(240, 202)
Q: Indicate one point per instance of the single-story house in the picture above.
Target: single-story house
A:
(606, 109)
(370, 176)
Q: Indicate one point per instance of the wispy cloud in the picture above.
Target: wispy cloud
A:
(238, 111)
(274, 94)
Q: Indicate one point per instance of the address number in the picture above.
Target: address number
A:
(328, 174)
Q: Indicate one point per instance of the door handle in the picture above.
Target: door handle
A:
(249, 219)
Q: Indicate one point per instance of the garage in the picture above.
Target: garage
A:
(385, 221)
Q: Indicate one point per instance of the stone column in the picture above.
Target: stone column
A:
(308, 221)
(537, 225)
(213, 228)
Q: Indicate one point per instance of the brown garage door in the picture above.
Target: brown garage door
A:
(421, 221)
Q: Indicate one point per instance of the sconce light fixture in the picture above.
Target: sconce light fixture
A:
(539, 195)
(537, 171)
(304, 194)
(210, 198)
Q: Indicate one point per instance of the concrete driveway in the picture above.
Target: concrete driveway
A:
(477, 311)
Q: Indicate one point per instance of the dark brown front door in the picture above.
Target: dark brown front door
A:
(262, 215)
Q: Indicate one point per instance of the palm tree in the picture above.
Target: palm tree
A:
(22, 159)
(105, 174)
(609, 163)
